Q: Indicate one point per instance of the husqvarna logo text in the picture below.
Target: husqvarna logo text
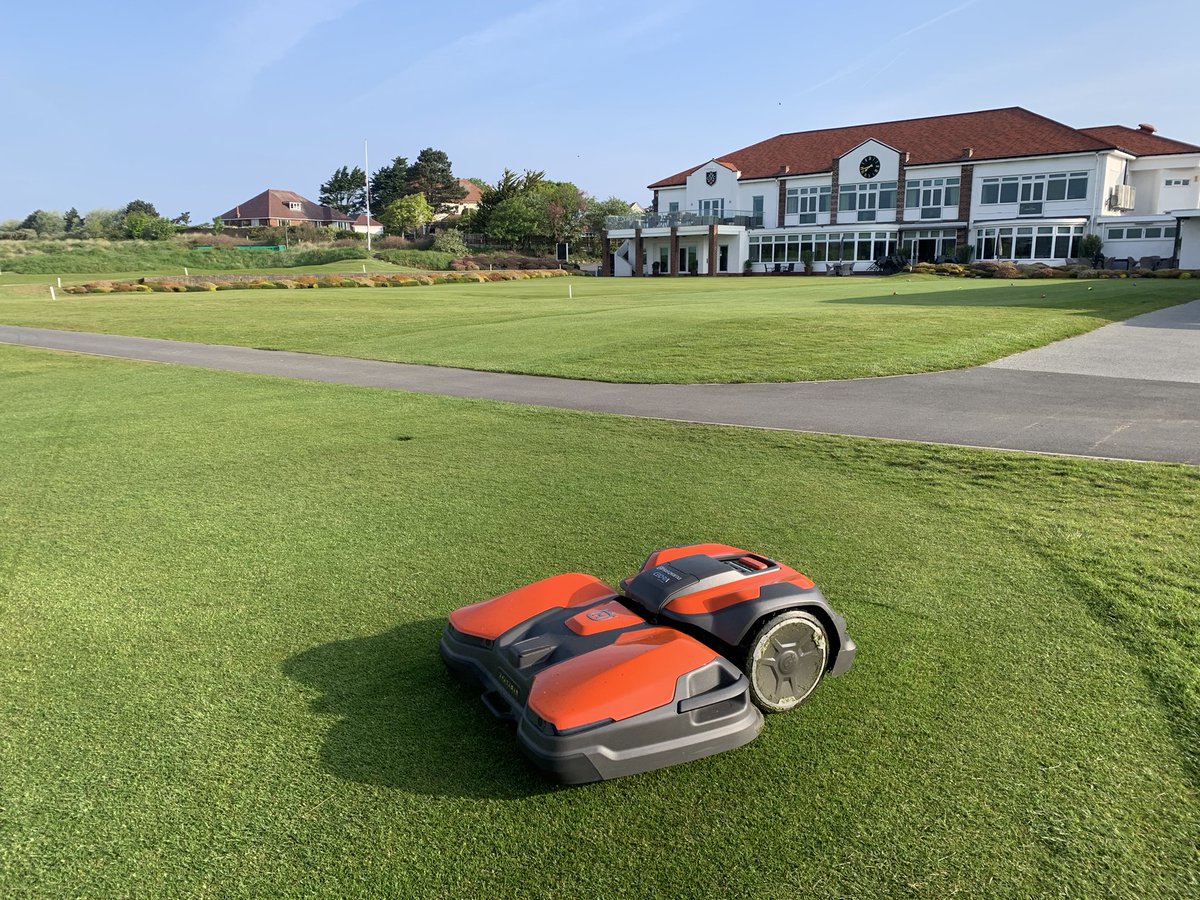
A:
(599, 615)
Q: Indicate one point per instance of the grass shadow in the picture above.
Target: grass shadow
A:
(401, 720)
(1114, 300)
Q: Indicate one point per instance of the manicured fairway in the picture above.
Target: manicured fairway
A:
(222, 595)
(654, 329)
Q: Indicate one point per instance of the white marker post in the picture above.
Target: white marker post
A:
(52, 297)
(570, 296)
(185, 271)
(60, 282)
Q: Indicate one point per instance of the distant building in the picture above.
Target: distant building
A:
(275, 208)
(458, 207)
(364, 226)
(1007, 183)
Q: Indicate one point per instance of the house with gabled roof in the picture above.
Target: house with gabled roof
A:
(1007, 183)
(274, 208)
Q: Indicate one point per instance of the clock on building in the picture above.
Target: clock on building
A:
(869, 167)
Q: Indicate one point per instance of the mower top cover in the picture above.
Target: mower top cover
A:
(680, 663)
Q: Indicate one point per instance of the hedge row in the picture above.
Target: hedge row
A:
(307, 281)
(1011, 271)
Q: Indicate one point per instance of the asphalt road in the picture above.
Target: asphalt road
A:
(997, 406)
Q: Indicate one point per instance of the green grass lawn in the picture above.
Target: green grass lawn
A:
(219, 676)
(657, 330)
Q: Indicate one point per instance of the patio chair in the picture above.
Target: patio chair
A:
(1148, 262)
(778, 268)
(847, 267)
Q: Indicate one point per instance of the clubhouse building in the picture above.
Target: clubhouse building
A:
(1008, 183)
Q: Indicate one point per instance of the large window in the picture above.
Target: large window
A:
(930, 195)
(1031, 190)
(824, 246)
(1028, 242)
(867, 198)
(806, 202)
(712, 208)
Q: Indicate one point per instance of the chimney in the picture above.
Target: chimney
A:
(968, 152)
(783, 170)
(907, 155)
(1147, 129)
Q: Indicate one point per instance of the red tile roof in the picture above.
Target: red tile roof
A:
(991, 134)
(474, 195)
(362, 220)
(1139, 142)
(272, 204)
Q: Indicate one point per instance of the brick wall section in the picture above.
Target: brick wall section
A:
(833, 195)
(782, 202)
(674, 260)
(638, 250)
(712, 250)
(605, 255)
(966, 176)
(901, 184)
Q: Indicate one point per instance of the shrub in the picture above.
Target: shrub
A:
(1185, 274)
(228, 286)
(449, 240)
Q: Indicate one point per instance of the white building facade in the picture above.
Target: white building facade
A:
(1009, 184)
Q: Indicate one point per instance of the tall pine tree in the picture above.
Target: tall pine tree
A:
(389, 183)
(433, 176)
(346, 190)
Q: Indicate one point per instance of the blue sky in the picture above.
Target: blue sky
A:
(200, 106)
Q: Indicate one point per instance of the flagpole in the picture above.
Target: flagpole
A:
(367, 183)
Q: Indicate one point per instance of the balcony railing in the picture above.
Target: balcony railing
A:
(744, 217)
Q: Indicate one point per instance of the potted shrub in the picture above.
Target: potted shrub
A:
(655, 267)
(747, 268)
(693, 266)
(806, 257)
(1091, 247)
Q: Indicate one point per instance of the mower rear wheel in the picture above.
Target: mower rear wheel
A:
(786, 660)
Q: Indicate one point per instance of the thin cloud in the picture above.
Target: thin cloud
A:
(263, 35)
(870, 59)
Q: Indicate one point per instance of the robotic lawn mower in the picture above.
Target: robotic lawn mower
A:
(675, 666)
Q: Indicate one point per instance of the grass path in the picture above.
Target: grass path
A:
(221, 598)
(651, 330)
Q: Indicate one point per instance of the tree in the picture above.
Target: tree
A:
(217, 225)
(432, 175)
(104, 223)
(406, 214)
(72, 221)
(141, 206)
(44, 222)
(559, 206)
(597, 212)
(389, 183)
(184, 218)
(512, 221)
(510, 185)
(346, 190)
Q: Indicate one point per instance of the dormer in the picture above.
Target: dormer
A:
(870, 161)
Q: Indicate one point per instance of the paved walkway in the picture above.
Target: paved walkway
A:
(991, 406)
(1157, 346)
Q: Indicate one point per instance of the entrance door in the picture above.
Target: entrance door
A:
(723, 258)
(926, 250)
(687, 259)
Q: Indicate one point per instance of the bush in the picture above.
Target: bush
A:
(418, 259)
(449, 240)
